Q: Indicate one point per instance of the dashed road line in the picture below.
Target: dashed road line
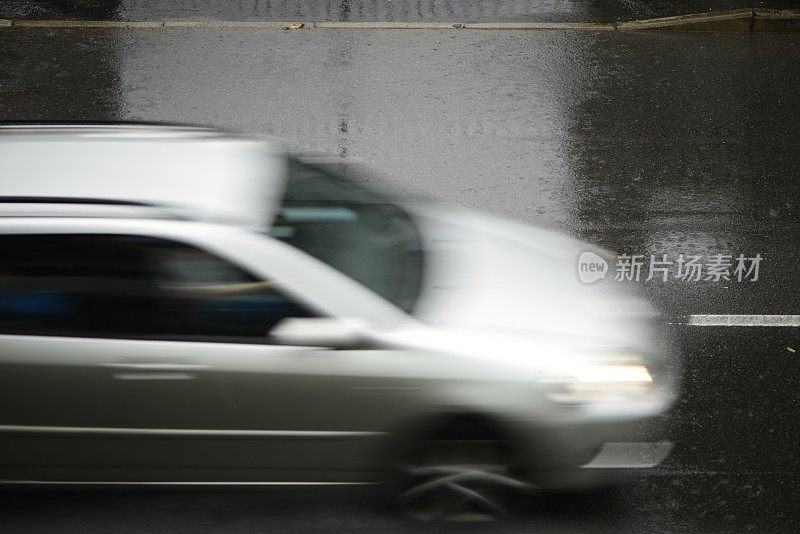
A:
(744, 320)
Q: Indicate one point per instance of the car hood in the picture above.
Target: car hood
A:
(488, 274)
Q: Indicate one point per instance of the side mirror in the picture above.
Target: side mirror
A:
(319, 332)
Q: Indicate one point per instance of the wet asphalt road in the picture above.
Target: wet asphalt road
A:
(646, 143)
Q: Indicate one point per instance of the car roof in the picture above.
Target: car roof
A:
(111, 130)
(200, 173)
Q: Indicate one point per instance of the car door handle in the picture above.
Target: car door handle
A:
(154, 371)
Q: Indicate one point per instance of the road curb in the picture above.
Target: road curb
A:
(733, 20)
(263, 24)
(343, 25)
(772, 21)
(757, 20)
(737, 20)
(68, 23)
(602, 26)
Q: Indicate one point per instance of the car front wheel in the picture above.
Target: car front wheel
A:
(464, 471)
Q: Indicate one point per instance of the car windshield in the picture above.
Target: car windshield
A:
(352, 229)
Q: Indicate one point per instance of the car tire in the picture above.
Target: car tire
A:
(462, 471)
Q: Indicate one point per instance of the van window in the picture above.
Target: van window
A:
(125, 286)
(352, 229)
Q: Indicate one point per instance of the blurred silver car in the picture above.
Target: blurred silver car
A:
(186, 306)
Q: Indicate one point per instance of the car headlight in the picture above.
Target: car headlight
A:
(597, 383)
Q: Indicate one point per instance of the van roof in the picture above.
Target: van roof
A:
(200, 173)
(110, 128)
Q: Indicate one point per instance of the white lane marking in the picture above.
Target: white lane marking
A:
(630, 455)
(744, 320)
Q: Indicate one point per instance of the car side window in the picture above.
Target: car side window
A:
(352, 229)
(124, 286)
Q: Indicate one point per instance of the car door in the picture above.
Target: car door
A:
(113, 349)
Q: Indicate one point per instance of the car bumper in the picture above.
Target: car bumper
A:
(566, 456)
